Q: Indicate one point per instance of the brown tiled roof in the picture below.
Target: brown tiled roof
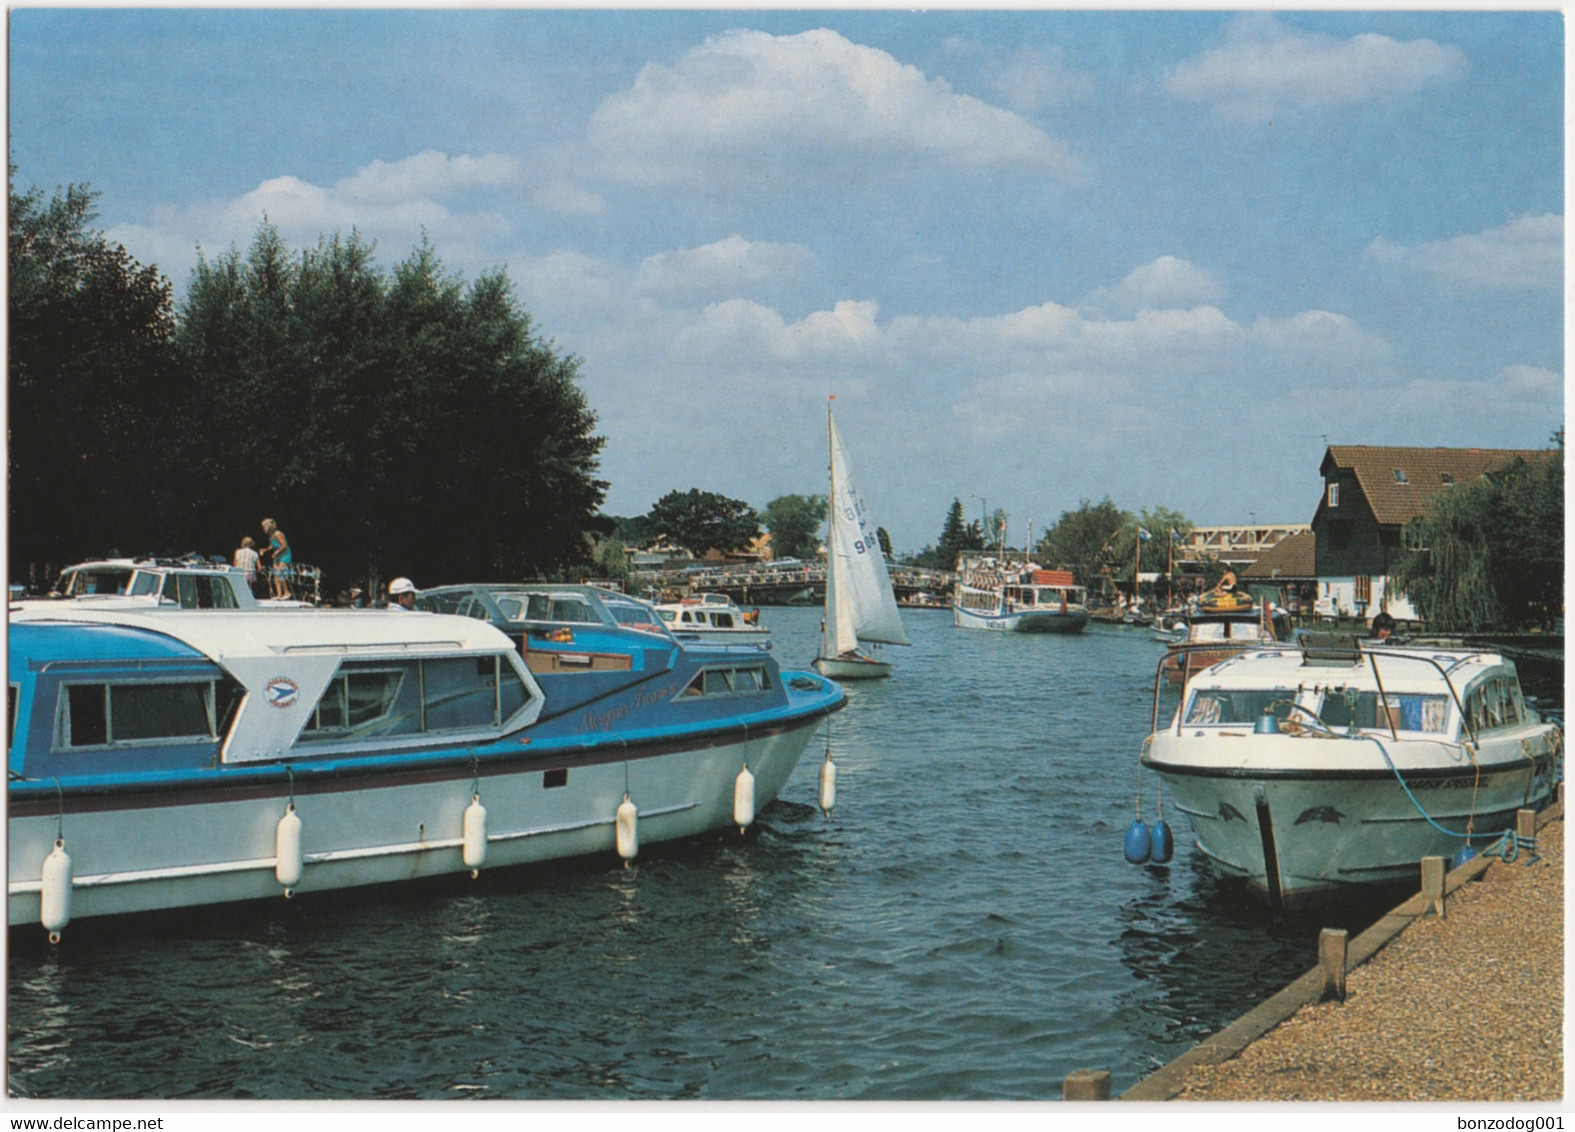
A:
(1291, 557)
(1399, 482)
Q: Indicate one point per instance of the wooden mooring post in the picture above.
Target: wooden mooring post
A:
(1086, 1085)
(1331, 962)
(1433, 885)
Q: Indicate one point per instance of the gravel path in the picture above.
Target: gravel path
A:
(1466, 1008)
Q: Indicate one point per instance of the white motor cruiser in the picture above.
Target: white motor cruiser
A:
(1309, 769)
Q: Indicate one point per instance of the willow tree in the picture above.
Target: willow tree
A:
(398, 422)
(1489, 556)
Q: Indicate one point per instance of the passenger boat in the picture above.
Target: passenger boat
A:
(1017, 597)
(711, 617)
(1309, 770)
(861, 607)
(163, 760)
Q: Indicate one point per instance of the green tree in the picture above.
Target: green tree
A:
(702, 521)
(955, 538)
(1081, 540)
(405, 423)
(795, 523)
(1489, 555)
(91, 383)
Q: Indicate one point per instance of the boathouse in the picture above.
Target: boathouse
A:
(1287, 573)
(1369, 494)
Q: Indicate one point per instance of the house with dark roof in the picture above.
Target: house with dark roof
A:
(1369, 494)
(1286, 573)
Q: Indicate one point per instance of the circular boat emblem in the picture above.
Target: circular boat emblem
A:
(281, 692)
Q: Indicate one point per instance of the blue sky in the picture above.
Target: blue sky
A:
(1039, 257)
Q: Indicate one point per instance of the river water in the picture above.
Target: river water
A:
(962, 927)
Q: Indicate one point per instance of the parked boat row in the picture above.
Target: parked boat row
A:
(164, 756)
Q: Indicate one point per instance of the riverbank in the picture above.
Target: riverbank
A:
(1467, 1007)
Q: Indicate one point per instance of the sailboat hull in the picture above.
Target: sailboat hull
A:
(854, 667)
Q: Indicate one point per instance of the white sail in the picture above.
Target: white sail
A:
(860, 605)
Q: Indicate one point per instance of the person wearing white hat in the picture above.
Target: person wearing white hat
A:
(401, 594)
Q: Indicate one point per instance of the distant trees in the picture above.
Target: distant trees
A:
(701, 521)
(795, 523)
(956, 537)
(1490, 554)
(91, 386)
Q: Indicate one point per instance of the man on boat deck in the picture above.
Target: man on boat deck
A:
(402, 594)
(1383, 626)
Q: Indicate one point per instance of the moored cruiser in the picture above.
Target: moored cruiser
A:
(161, 761)
(1309, 770)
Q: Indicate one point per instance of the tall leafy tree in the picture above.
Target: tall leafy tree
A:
(1489, 556)
(91, 383)
(1081, 540)
(795, 523)
(398, 423)
(702, 521)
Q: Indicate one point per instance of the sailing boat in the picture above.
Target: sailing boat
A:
(860, 605)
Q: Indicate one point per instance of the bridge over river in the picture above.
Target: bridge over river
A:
(803, 584)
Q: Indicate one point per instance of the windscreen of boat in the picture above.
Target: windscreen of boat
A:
(1227, 630)
(633, 616)
(1345, 707)
(1238, 705)
(570, 608)
(377, 699)
(107, 580)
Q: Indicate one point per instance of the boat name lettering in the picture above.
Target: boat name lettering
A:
(603, 720)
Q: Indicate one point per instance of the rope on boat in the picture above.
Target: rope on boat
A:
(1468, 834)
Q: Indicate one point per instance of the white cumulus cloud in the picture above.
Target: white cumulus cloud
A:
(731, 263)
(1168, 281)
(1267, 68)
(747, 100)
(1525, 254)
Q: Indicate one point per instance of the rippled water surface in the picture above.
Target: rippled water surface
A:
(962, 927)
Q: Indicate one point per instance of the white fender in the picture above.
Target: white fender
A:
(54, 900)
(628, 830)
(475, 836)
(743, 799)
(828, 786)
(287, 849)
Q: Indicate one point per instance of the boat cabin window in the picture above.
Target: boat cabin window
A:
(1345, 707)
(571, 608)
(107, 715)
(743, 679)
(722, 620)
(634, 616)
(1238, 705)
(198, 591)
(460, 604)
(113, 580)
(1494, 704)
(376, 699)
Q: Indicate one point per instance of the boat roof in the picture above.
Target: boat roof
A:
(42, 643)
(231, 634)
(1400, 669)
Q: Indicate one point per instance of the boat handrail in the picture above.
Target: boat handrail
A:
(1361, 648)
